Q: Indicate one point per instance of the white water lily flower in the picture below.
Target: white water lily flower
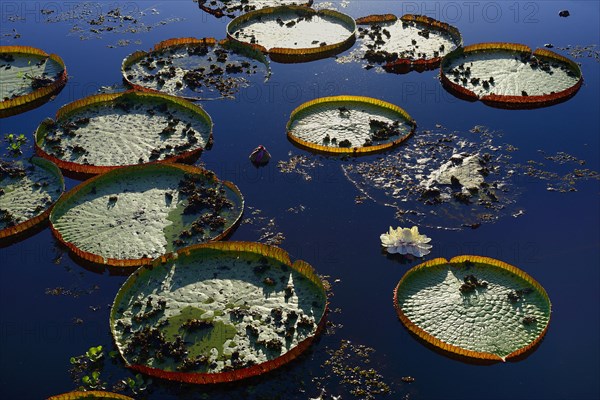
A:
(406, 241)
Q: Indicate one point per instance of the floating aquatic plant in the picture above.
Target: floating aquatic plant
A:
(28, 190)
(473, 306)
(294, 34)
(260, 156)
(90, 394)
(406, 241)
(442, 179)
(510, 75)
(403, 44)
(196, 69)
(218, 312)
(29, 77)
(106, 131)
(349, 124)
(129, 216)
(231, 8)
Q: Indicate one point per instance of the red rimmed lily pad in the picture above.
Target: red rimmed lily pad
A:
(411, 42)
(508, 75)
(129, 216)
(90, 395)
(218, 312)
(107, 131)
(294, 33)
(28, 190)
(29, 77)
(349, 125)
(196, 69)
(476, 307)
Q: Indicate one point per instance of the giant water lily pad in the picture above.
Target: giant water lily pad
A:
(196, 69)
(28, 78)
(232, 8)
(218, 312)
(103, 132)
(129, 216)
(410, 42)
(510, 75)
(28, 190)
(90, 395)
(349, 124)
(294, 34)
(473, 306)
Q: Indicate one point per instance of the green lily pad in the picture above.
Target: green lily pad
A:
(129, 216)
(473, 306)
(510, 75)
(29, 78)
(292, 33)
(409, 42)
(217, 312)
(349, 124)
(107, 131)
(28, 190)
(196, 69)
(231, 8)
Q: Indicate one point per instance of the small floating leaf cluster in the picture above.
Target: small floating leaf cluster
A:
(466, 178)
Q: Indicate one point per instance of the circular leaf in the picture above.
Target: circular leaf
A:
(196, 69)
(29, 78)
(129, 216)
(218, 312)
(90, 394)
(473, 306)
(349, 124)
(103, 132)
(27, 193)
(509, 75)
(231, 8)
(294, 34)
(411, 42)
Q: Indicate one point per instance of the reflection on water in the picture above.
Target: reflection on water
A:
(555, 237)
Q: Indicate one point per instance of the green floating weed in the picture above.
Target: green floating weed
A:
(92, 381)
(15, 142)
(94, 354)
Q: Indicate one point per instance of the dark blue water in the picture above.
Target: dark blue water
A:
(557, 241)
